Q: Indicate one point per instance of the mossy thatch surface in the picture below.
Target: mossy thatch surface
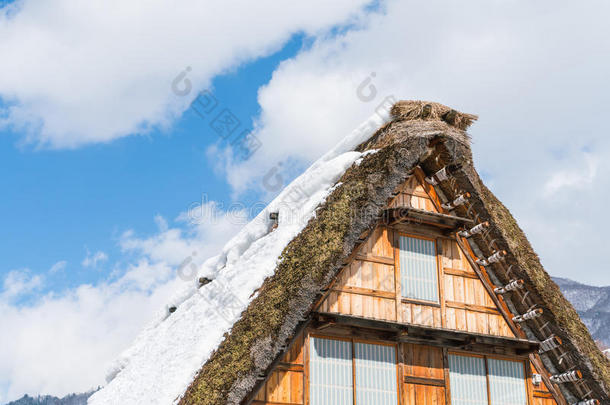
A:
(306, 266)
(565, 320)
(507, 235)
(310, 261)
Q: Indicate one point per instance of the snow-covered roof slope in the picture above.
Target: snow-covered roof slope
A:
(166, 356)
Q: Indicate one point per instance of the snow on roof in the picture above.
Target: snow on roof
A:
(165, 357)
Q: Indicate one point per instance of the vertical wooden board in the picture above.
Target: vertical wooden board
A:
(460, 319)
(345, 303)
(295, 354)
(482, 324)
(367, 306)
(449, 294)
(436, 318)
(357, 305)
(417, 314)
(378, 308)
(408, 394)
(390, 310)
(458, 289)
(469, 291)
(353, 279)
(488, 301)
(505, 330)
(407, 313)
(450, 318)
(407, 358)
(446, 253)
(296, 387)
(420, 395)
(471, 321)
(272, 384)
(285, 383)
(479, 293)
(494, 326)
(456, 261)
(333, 302)
(324, 306)
(386, 246)
(384, 277)
(367, 275)
(426, 362)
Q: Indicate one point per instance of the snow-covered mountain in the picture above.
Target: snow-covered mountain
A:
(72, 399)
(592, 304)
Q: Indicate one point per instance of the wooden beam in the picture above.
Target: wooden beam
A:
(398, 215)
(507, 315)
(409, 333)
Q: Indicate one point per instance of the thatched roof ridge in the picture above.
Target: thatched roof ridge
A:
(284, 301)
(430, 111)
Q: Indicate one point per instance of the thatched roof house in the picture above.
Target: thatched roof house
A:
(517, 312)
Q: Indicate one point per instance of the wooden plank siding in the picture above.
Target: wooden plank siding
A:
(370, 285)
(286, 383)
(423, 375)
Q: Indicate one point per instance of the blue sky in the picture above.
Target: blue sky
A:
(73, 200)
(101, 162)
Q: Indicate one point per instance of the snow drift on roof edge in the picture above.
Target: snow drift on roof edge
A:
(166, 356)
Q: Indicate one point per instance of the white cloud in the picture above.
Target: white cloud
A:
(57, 267)
(78, 72)
(535, 73)
(573, 179)
(65, 341)
(18, 283)
(92, 260)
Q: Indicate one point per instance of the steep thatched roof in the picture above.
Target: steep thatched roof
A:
(421, 133)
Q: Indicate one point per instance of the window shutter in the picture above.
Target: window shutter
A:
(506, 382)
(375, 374)
(418, 269)
(468, 380)
(330, 379)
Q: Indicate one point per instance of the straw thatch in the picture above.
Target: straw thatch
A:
(284, 301)
(430, 111)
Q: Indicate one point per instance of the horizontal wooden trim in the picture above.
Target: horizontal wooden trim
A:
(542, 394)
(460, 273)
(472, 307)
(376, 259)
(420, 302)
(431, 336)
(367, 291)
(275, 403)
(416, 193)
(424, 381)
(290, 367)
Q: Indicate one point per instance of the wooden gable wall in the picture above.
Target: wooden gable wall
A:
(370, 285)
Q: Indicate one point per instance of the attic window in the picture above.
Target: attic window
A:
(418, 269)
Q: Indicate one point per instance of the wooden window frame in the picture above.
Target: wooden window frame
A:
(515, 359)
(353, 341)
(398, 276)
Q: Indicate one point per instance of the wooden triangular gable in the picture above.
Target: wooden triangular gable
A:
(369, 286)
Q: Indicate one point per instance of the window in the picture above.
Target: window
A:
(334, 363)
(375, 374)
(418, 269)
(486, 381)
(330, 372)
(506, 382)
